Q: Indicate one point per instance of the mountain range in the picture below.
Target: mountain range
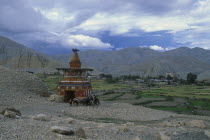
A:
(17, 56)
(133, 60)
(145, 61)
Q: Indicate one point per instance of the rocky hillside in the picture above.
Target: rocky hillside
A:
(16, 56)
(144, 61)
(19, 87)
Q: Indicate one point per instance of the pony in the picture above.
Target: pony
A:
(92, 100)
(76, 101)
(96, 100)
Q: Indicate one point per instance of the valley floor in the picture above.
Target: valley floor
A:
(182, 99)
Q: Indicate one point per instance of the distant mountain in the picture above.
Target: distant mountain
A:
(16, 56)
(204, 76)
(141, 61)
(198, 53)
(144, 61)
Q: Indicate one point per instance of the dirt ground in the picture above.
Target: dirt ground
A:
(109, 121)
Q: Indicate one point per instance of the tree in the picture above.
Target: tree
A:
(111, 80)
(169, 77)
(105, 75)
(175, 79)
(182, 81)
(191, 78)
(161, 77)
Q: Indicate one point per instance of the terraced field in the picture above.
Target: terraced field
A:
(187, 99)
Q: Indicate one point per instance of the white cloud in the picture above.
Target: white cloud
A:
(123, 23)
(188, 26)
(82, 41)
(199, 34)
(56, 15)
(187, 20)
(68, 40)
(157, 48)
(119, 49)
(168, 49)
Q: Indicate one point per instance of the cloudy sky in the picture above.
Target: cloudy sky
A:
(106, 24)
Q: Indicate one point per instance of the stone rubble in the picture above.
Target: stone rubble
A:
(56, 98)
(164, 136)
(207, 133)
(80, 133)
(62, 130)
(11, 109)
(196, 123)
(16, 87)
(135, 138)
(42, 117)
(124, 128)
(1, 116)
(9, 114)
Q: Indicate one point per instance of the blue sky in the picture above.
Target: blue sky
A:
(106, 24)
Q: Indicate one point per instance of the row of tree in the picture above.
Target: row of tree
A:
(190, 79)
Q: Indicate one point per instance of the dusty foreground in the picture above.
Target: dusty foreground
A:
(109, 121)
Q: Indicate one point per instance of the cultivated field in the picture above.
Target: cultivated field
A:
(186, 99)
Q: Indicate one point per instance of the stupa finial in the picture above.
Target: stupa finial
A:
(75, 50)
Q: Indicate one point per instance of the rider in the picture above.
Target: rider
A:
(96, 100)
(70, 101)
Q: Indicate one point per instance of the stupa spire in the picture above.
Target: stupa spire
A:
(75, 60)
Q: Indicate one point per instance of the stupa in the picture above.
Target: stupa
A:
(75, 81)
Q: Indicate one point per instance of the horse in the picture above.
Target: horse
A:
(96, 100)
(92, 100)
(87, 101)
(76, 101)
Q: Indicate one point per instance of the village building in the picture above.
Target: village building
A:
(75, 81)
(94, 77)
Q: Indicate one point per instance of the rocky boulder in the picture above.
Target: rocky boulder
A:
(207, 133)
(1, 116)
(56, 98)
(11, 109)
(70, 120)
(9, 114)
(42, 117)
(124, 128)
(196, 123)
(172, 124)
(163, 136)
(80, 133)
(135, 138)
(62, 130)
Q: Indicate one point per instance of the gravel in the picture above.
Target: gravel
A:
(120, 111)
(144, 126)
(19, 88)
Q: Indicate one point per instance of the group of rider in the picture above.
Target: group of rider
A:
(92, 100)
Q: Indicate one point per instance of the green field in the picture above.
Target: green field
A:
(102, 85)
(186, 99)
(50, 81)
